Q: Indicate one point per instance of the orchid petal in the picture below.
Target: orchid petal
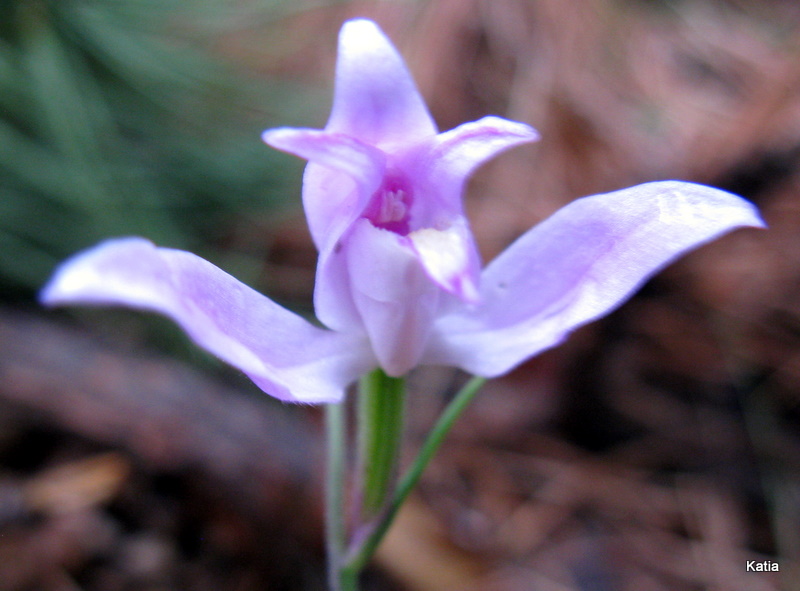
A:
(454, 155)
(333, 303)
(385, 277)
(342, 173)
(578, 265)
(341, 176)
(332, 150)
(281, 352)
(459, 151)
(375, 100)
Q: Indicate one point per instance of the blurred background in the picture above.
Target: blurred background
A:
(657, 449)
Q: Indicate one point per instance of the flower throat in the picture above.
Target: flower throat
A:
(389, 207)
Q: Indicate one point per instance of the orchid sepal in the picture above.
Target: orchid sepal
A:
(579, 264)
(281, 352)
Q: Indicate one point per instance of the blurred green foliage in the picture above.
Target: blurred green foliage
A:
(116, 118)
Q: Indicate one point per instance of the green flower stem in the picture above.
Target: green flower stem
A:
(381, 413)
(335, 534)
(360, 555)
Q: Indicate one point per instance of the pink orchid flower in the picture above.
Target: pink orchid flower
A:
(399, 280)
